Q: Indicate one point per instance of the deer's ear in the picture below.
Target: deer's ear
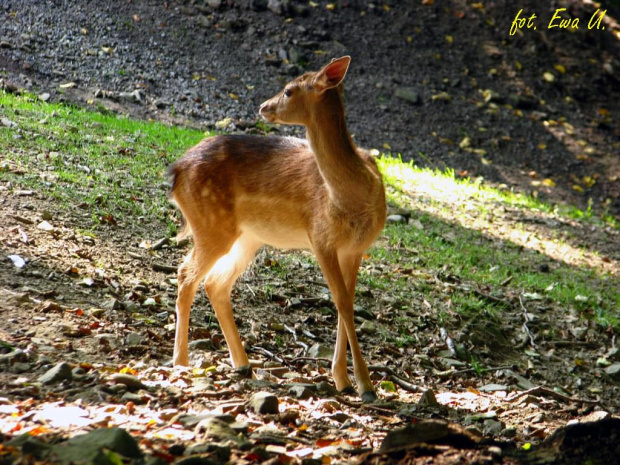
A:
(332, 74)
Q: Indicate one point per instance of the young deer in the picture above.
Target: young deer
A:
(239, 192)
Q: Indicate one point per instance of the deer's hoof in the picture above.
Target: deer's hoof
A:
(348, 391)
(369, 397)
(243, 372)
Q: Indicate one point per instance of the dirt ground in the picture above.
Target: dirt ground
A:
(443, 84)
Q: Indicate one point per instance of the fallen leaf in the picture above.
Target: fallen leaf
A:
(18, 261)
(223, 123)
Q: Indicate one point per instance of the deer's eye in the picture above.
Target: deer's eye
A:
(288, 92)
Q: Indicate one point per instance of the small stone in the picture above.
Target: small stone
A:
(160, 103)
(149, 302)
(300, 392)
(275, 6)
(137, 399)
(44, 97)
(428, 399)
(613, 371)
(579, 333)
(239, 427)
(60, 372)
(18, 261)
(295, 55)
(493, 388)
(8, 123)
(112, 304)
(218, 453)
(264, 403)
(20, 367)
(202, 344)
(215, 4)
(368, 327)
(131, 381)
(326, 389)
(216, 428)
(5, 44)
(45, 226)
(16, 356)
(493, 427)
(134, 339)
(396, 219)
(595, 416)
(409, 94)
(321, 351)
(613, 353)
(364, 313)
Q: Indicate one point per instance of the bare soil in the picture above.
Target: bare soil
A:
(87, 302)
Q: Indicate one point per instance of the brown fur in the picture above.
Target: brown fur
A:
(238, 192)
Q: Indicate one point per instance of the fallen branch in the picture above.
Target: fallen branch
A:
(540, 390)
(164, 268)
(270, 355)
(396, 378)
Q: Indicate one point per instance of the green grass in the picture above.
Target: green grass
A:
(108, 164)
(402, 174)
(472, 257)
(113, 167)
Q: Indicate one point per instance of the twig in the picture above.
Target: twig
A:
(396, 378)
(270, 355)
(215, 394)
(550, 392)
(527, 319)
(480, 370)
(164, 268)
(310, 359)
(348, 403)
(476, 292)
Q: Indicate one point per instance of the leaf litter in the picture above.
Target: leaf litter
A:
(105, 316)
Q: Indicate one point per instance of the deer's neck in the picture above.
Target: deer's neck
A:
(345, 173)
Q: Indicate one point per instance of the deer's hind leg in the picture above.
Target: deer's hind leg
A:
(218, 286)
(194, 268)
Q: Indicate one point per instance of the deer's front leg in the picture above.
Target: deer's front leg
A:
(344, 303)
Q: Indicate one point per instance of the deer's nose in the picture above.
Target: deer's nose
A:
(267, 110)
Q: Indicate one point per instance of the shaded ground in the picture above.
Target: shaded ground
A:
(445, 84)
(98, 304)
(84, 301)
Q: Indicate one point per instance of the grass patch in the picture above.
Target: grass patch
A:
(113, 167)
(402, 175)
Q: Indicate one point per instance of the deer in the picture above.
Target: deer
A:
(237, 193)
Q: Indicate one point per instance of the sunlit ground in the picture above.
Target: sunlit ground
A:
(473, 205)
